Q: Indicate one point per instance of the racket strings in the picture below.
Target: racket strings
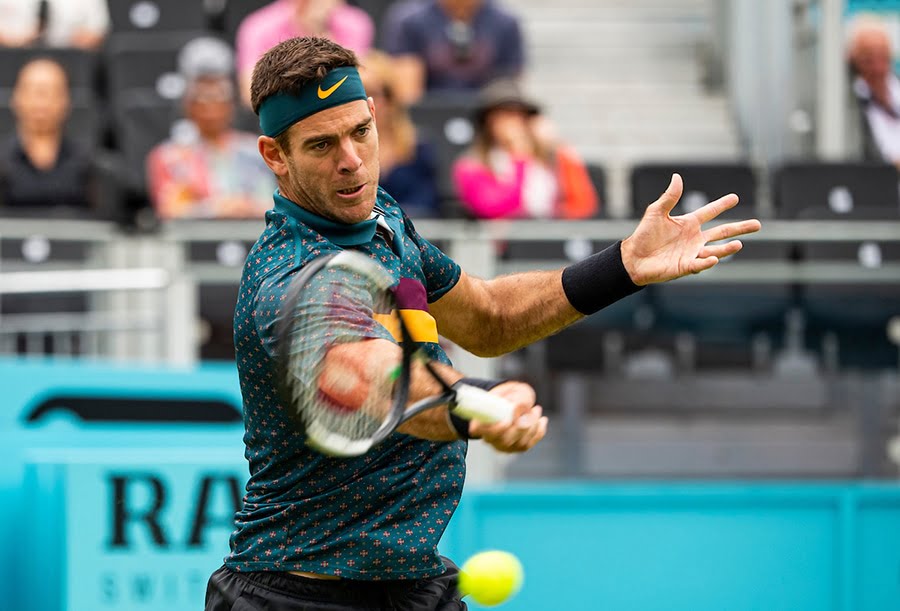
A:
(340, 405)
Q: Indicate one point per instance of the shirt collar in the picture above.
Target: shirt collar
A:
(342, 234)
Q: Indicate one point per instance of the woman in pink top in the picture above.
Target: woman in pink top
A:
(261, 30)
(517, 168)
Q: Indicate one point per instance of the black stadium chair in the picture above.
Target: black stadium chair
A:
(703, 182)
(855, 313)
(141, 122)
(148, 62)
(81, 66)
(156, 15)
(726, 318)
(446, 121)
(840, 187)
(598, 176)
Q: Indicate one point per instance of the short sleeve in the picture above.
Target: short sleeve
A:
(440, 271)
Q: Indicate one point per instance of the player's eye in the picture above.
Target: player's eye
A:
(320, 146)
(363, 131)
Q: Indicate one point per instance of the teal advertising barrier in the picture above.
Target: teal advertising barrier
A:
(103, 513)
(692, 547)
(118, 483)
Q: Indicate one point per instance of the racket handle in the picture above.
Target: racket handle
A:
(474, 403)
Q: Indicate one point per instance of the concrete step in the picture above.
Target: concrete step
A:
(602, 12)
(630, 153)
(674, 7)
(623, 112)
(590, 88)
(661, 70)
(611, 34)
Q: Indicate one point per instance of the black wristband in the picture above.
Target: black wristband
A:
(598, 281)
(460, 424)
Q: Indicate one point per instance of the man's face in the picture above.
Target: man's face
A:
(210, 105)
(873, 56)
(332, 162)
(41, 97)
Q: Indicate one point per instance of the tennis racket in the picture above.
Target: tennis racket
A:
(346, 391)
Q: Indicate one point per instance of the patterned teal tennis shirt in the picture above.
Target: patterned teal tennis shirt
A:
(377, 516)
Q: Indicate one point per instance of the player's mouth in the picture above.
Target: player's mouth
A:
(351, 192)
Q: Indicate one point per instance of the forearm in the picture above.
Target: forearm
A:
(432, 424)
(490, 318)
(517, 310)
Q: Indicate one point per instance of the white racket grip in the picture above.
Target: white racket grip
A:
(473, 403)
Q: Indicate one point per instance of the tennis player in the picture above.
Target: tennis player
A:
(323, 533)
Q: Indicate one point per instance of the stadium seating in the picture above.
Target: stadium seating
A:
(446, 121)
(598, 176)
(841, 187)
(141, 122)
(855, 314)
(703, 182)
(80, 66)
(146, 61)
(156, 15)
(728, 320)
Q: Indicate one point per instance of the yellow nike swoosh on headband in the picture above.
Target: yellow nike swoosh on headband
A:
(324, 94)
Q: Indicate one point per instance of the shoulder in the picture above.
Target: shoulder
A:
(499, 17)
(387, 203)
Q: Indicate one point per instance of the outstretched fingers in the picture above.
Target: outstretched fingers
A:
(715, 208)
(730, 230)
(720, 250)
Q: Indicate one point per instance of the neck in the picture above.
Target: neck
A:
(27, 134)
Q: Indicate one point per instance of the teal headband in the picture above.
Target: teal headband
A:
(278, 112)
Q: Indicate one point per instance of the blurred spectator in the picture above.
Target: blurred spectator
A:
(40, 167)
(54, 23)
(517, 167)
(455, 45)
(283, 19)
(408, 165)
(209, 170)
(876, 89)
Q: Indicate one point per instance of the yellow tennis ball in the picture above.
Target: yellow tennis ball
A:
(491, 577)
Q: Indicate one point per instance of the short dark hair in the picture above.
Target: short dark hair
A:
(291, 65)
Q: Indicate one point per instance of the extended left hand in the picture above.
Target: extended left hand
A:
(665, 247)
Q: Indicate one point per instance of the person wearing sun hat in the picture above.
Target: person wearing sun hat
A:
(517, 166)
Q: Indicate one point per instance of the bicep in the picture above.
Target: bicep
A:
(459, 312)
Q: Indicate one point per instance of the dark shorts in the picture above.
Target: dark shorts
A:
(228, 590)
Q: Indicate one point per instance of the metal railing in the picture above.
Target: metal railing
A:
(146, 285)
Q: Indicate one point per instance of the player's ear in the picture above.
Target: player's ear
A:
(371, 103)
(273, 155)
